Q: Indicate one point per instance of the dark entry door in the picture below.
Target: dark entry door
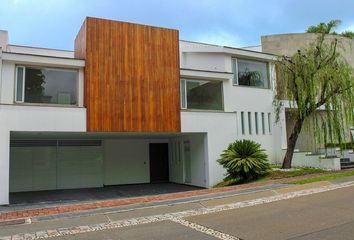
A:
(158, 162)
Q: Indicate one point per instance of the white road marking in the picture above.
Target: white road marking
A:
(177, 216)
(205, 230)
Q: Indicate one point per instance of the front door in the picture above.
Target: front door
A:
(158, 162)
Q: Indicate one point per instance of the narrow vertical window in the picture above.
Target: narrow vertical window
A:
(20, 72)
(234, 71)
(183, 94)
(256, 121)
(242, 123)
(249, 123)
(269, 123)
(263, 125)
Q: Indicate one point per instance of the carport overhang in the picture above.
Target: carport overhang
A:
(178, 143)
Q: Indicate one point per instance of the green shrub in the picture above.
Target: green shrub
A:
(244, 160)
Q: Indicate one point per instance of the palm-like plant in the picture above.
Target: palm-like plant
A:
(325, 27)
(328, 28)
(244, 160)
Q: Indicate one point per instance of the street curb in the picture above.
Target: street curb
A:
(127, 208)
(171, 198)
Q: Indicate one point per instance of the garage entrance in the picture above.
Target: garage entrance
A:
(47, 161)
(37, 165)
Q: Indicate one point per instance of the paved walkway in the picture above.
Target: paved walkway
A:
(292, 212)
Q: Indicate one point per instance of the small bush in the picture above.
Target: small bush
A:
(244, 160)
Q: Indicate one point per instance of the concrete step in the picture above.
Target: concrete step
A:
(344, 160)
(346, 163)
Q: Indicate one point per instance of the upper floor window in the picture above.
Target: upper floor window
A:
(46, 85)
(201, 94)
(250, 73)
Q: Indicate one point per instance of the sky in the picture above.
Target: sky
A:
(237, 23)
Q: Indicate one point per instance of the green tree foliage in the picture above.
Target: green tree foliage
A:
(328, 28)
(244, 160)
(313, 78)
(348, 34)
(324, 27)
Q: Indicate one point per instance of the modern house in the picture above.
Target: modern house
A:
(131, 104)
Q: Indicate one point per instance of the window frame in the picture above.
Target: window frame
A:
(186, 95)
(77, 91)
(23, 84)
(234, 67)
(183, 87)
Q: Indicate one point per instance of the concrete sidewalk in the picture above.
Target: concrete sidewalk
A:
(94, 224)
(40, 212)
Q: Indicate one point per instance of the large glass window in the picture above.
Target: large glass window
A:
(200, 94)
(250, 73)
(46, 85)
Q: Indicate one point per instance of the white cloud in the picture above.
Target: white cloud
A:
(220, 38)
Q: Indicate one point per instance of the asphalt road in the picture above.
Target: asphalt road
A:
(326, 215)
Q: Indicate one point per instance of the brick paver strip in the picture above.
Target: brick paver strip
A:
(17, 214)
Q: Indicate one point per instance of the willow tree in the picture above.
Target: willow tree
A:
(316, 78)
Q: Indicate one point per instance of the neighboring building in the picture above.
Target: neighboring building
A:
(132, 104)
(289, 44)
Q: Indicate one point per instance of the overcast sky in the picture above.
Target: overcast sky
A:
(55, 23)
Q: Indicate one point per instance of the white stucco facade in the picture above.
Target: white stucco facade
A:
(224, 127)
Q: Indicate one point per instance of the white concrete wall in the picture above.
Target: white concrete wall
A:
(33, 118)
(126, 161)
(201, 61)
(222, 128)
(176, 169)
(40, 51)
(303, 159)
(199, 160)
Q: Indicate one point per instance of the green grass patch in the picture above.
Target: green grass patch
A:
(276, 173)
(228, 182)
(324, 178)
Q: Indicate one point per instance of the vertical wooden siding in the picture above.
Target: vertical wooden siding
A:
(131, 76)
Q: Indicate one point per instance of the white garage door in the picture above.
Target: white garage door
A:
(49, 165)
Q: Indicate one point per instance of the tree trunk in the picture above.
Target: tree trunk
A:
(291, 143)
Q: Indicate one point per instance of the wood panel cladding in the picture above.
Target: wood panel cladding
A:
(131, 76)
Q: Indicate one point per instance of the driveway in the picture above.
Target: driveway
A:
(321, 211)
